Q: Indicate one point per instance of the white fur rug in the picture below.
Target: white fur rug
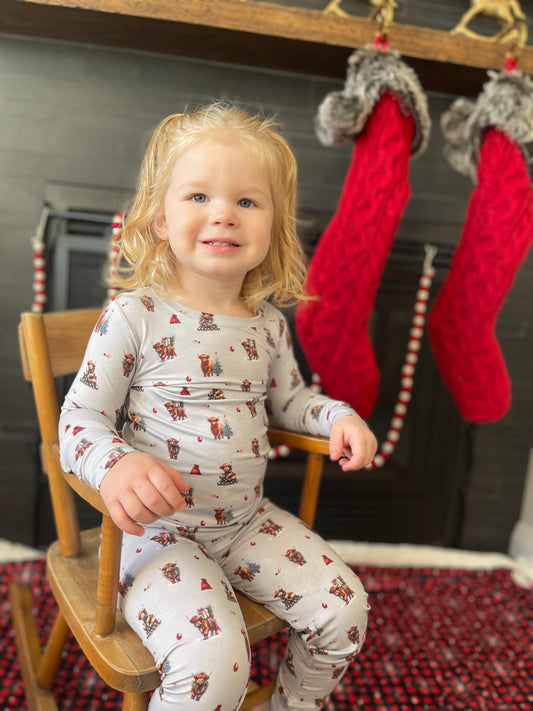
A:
(10, 552)
(409, 556)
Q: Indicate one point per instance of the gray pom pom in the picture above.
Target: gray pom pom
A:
(371, 72)
(506, 103)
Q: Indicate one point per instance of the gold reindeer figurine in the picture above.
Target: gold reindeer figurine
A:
(383, 10)
(507, 13)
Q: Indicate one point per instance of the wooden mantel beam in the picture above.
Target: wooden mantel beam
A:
(264, 34)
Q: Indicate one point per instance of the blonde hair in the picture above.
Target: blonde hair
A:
(146, 260)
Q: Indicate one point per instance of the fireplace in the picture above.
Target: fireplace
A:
(418, 495)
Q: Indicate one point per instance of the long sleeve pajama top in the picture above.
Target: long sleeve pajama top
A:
(196, 389)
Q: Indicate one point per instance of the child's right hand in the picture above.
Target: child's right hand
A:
(140, 488)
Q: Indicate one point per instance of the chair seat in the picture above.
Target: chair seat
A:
(120, 658)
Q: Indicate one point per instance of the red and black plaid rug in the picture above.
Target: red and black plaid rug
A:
(437, 639)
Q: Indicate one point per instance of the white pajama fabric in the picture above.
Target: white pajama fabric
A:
(199, 391)
(180, 601)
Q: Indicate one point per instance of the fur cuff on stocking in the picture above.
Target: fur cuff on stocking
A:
(506, 103)
(342, 115)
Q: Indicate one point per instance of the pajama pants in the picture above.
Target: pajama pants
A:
(176, 591)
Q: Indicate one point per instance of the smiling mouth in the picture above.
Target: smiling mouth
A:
(218, 243)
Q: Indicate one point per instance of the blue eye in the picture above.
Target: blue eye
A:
(245, 202)
(198, 197)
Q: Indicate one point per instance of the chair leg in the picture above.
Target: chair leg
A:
(51, 656)
(29, 649)
(311, 488)
(257, 694)
(136, 702)
(38, 668)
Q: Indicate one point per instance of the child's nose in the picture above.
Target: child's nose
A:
(224, 214)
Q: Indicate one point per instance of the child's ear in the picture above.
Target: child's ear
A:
(160, 226)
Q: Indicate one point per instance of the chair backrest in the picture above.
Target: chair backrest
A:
(52, 345)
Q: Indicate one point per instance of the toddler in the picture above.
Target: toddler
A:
(194, 359)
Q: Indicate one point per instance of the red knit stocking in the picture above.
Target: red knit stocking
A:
(346, 267)
(495, 240)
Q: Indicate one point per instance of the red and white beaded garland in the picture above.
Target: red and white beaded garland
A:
(40, 294)
(39, 266)
(408, 369)
(411, 359)
(118, 220)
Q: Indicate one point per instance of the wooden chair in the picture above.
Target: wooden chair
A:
(83, 579)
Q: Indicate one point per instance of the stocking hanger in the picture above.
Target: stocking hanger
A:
(382, 11)
(507, 13)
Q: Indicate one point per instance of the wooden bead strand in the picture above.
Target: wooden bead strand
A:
(411, 359)
(408, 369)
(39, 265)
(114, 250)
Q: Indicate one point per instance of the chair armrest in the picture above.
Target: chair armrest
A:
(86, 491)
(307, 443)
(317, 448)
(298, 440)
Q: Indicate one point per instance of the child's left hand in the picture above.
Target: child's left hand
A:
(352, 443)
